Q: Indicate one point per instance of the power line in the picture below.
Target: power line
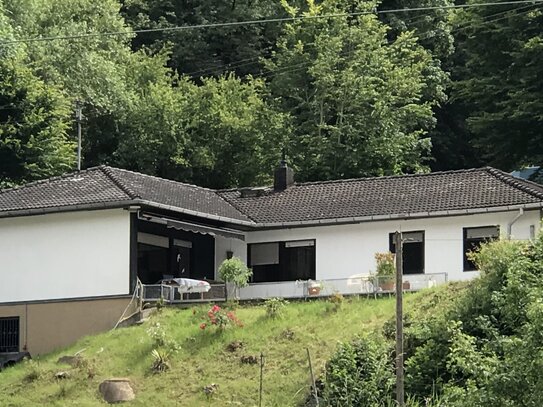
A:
(422, 35)
(265, 21)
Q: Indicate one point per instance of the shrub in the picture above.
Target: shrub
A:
(220, 319)
(385, 269)
(359, 374)
(161, 359)
(336, 300)
(275, 307)
(160, 339)
(235, 271)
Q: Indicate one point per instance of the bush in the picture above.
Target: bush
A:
(336, 300)
(220, 319)
(275, 307)
(359, 374)
(386, 269)
(235, 271)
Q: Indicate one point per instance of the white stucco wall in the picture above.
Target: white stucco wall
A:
(64, 255)
(347, 250)
(222, 245)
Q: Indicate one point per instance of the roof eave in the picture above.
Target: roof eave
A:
(196, 213)
(67, 208)
(417, 215)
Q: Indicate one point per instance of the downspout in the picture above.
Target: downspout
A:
(510, 224)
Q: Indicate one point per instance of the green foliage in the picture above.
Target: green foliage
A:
(498, 82)
(336, 301)
(207, 52)
(220, 319)
(235, 271)
(161, 359)
(359, 374)
(275, 307)
(358, 98)
(385, 267)
(472, 355)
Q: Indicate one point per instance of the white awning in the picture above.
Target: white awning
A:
(204, 230)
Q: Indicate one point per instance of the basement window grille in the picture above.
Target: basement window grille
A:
(9, 334)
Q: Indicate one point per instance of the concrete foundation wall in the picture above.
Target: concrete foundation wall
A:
(45, 327)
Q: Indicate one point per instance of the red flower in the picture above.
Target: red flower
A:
(215, 308)
(203, 325)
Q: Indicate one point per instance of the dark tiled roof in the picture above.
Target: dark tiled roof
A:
(91, 186)
(174, 194)
(103, 185)
(330, 200)
(382, 196)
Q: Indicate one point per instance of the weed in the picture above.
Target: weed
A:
(275, 307)
(161, 359)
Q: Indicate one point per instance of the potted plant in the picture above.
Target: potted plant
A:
(385, 271)
(314, 287)
(234, 272)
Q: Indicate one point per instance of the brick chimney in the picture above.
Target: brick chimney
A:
(283, 177)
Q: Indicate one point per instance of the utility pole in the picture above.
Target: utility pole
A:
(400, 397)
(78, 119)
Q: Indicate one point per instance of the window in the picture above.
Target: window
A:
(282, 261)
(413, 251)
(9, 334)
(152, 257)
(473, 238)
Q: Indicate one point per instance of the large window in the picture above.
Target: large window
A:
(473, 238)
(413, 251)
(152, 257)
(282, 261)
(9, 334)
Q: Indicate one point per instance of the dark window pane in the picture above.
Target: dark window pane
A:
(9, 334)
(293, 261)
(413, 251)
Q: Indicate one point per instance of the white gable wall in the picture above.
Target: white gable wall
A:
(347, 250)
(64, 255)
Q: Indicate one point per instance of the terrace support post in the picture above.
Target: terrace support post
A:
(400, 396)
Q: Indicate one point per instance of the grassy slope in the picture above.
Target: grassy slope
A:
(203, 359)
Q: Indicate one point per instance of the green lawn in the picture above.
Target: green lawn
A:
(202, 358)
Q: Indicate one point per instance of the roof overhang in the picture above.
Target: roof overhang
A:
(204, 230)
(401, 216)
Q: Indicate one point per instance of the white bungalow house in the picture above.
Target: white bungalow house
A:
(72, 247)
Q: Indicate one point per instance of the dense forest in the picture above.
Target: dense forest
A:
(363, 92)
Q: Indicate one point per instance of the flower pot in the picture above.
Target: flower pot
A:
(387, 285)
(314, 290)
(406, 285)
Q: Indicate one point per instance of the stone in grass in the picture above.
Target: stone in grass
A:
(234, 346)
(249, 360)
(116, 390)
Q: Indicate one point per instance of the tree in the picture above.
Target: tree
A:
(34, 120)
(357, 99)
(207, 52)
(500, 83)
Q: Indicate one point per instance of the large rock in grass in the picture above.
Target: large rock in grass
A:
(116, 390)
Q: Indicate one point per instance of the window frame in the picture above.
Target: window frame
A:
(282, 246)
(5, 348)
(392, 248)
(467, 265)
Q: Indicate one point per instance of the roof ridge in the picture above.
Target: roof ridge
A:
(161, 179)
(385, 177)
(109, 173)
(524, 185)
(47, 180)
